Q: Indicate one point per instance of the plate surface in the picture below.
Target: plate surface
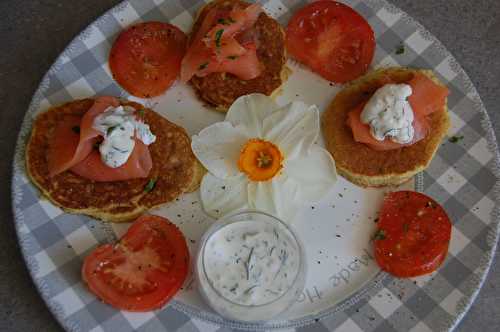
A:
(344, 288)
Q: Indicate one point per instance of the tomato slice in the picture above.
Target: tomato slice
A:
(143, 270)
(413, 236)
(146, 58)
(332, 39)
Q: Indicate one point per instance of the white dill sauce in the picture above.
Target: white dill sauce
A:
(251, 263)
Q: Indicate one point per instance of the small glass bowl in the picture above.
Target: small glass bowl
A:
(249, 313)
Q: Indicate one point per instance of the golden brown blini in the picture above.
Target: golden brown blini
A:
(175, 170)
(359, 163)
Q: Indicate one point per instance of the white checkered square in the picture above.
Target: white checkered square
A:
(127, 16)
(481, 152)
(458, 241)
(81, 240)
(457, 124)
(388, 61)
(69, 300)
(384, 304)
(183, 21)
(45, 264)
(95, 38)
(137, 319)
(50, 209)
(421, 327)
(450, 302)
(387, 17)
(275, 8)
(451, 180)
(445, 70)
(80, 89)
(483, 208)
(349, 326)
(418, 43)
(44, 105)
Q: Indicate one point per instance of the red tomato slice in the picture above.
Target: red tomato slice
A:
(146, 58)
(143, 270)
(413, 236)
(332, 39)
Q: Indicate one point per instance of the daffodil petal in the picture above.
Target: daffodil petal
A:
(218, 148)
(278, 197)
(220, 197)
(293, 128)
(314, 172)
(248, 113)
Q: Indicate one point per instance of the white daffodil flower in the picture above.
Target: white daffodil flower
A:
(263, 157)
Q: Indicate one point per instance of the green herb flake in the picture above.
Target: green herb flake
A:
(379, 235)
(400, 49)
(232, 57)
(224, 21)
(96, 145)
(455, 139)
(150, 186)
(231, 20)
(406, 227)
(76, 129)
(140, 112)
(203, 66)
(110, 130)
(218, 37)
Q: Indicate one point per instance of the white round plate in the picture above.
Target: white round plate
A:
(344, 289)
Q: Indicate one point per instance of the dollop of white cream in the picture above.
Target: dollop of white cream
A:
(389, 114)
(118, 126)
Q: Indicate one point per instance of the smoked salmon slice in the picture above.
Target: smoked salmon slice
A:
(215, 47)
(74, 137)
(72, 148)
(246, 66)
(63, 145)
(427, 97)
(361, 131)
(138, 165)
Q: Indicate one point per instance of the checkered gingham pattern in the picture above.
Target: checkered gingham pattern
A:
(462, 176)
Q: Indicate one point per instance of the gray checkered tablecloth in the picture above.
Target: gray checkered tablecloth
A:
(463, 177)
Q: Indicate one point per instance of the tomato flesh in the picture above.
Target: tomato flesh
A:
(414, 234)
(332, 39)
(143, 270)
(146, 58)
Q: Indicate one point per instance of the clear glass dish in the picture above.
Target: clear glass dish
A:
(265, 309)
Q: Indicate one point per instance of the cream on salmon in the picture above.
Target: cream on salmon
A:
(426, 98)
(73, 147)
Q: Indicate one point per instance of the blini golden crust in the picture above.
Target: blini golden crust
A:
(175, 170)
(220, 90)
(366, 167)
